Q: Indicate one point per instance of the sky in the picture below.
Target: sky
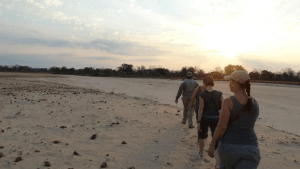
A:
(158, 33)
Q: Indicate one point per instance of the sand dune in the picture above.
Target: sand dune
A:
(47, 119)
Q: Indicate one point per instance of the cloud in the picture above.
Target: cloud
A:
(111, 46)
(60, 16)
(52, 2)
(47, 61)
(101, 58)
(267, 64)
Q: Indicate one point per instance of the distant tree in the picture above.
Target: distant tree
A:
(140, 70)
(161, 71)
(126, 68)
(267, 75)
(200, 73)
(254, 75)
(71, 71)
(64, 70)
(108, 72)
(89, 71)
(218, 73)
(289, 74)
(55, 70)
(231, 68)
(183, 71)
(298, 75)
(191, 69)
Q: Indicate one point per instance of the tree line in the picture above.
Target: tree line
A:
(128, 70)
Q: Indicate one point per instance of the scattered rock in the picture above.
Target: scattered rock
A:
(2, 131)
(107, 154)
(178, 110)
(37, 151)
(18, 159)
(103, 165)
(63, 127)
(56, 142)
(1, 155)
(94, 136)
(47, 164)
(1, 147)
(75, 153)
(123, 142)
(131, 167)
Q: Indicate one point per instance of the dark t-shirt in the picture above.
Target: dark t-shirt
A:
(209, 108)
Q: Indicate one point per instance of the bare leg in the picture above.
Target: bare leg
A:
(201, 145)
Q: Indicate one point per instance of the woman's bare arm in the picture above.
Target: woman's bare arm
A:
(194, 96)
(200, 112)
(222, 125)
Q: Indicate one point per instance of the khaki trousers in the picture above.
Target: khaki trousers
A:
(188, 110)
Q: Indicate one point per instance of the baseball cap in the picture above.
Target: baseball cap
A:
(189, 74)
(240, 76)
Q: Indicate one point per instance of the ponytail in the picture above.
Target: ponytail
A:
(249, 102)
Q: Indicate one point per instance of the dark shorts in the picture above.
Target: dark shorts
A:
(206, 123)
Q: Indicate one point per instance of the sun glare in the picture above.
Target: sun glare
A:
(228, 54)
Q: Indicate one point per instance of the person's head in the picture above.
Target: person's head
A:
(239, 80)
(189, 75)
(209, 81)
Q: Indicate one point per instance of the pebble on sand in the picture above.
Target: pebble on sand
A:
(18, 159)
(47, 164)
(94, 136)
(104, 165)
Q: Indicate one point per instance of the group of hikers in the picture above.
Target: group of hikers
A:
(231, 120)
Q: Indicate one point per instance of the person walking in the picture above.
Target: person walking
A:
(208, 117)
(186, 89)
(195, 104)
(238, 146)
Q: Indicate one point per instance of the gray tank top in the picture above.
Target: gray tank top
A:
(241, 131)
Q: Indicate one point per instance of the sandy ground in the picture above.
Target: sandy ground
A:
(48, 118)
(279, 104)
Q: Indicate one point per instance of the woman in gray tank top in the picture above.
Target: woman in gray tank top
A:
(238, 146)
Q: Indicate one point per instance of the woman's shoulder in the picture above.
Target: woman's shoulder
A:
(228, 101)
(217, 92)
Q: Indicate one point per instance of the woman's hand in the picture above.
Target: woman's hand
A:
(198, 127)
(211, 151)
